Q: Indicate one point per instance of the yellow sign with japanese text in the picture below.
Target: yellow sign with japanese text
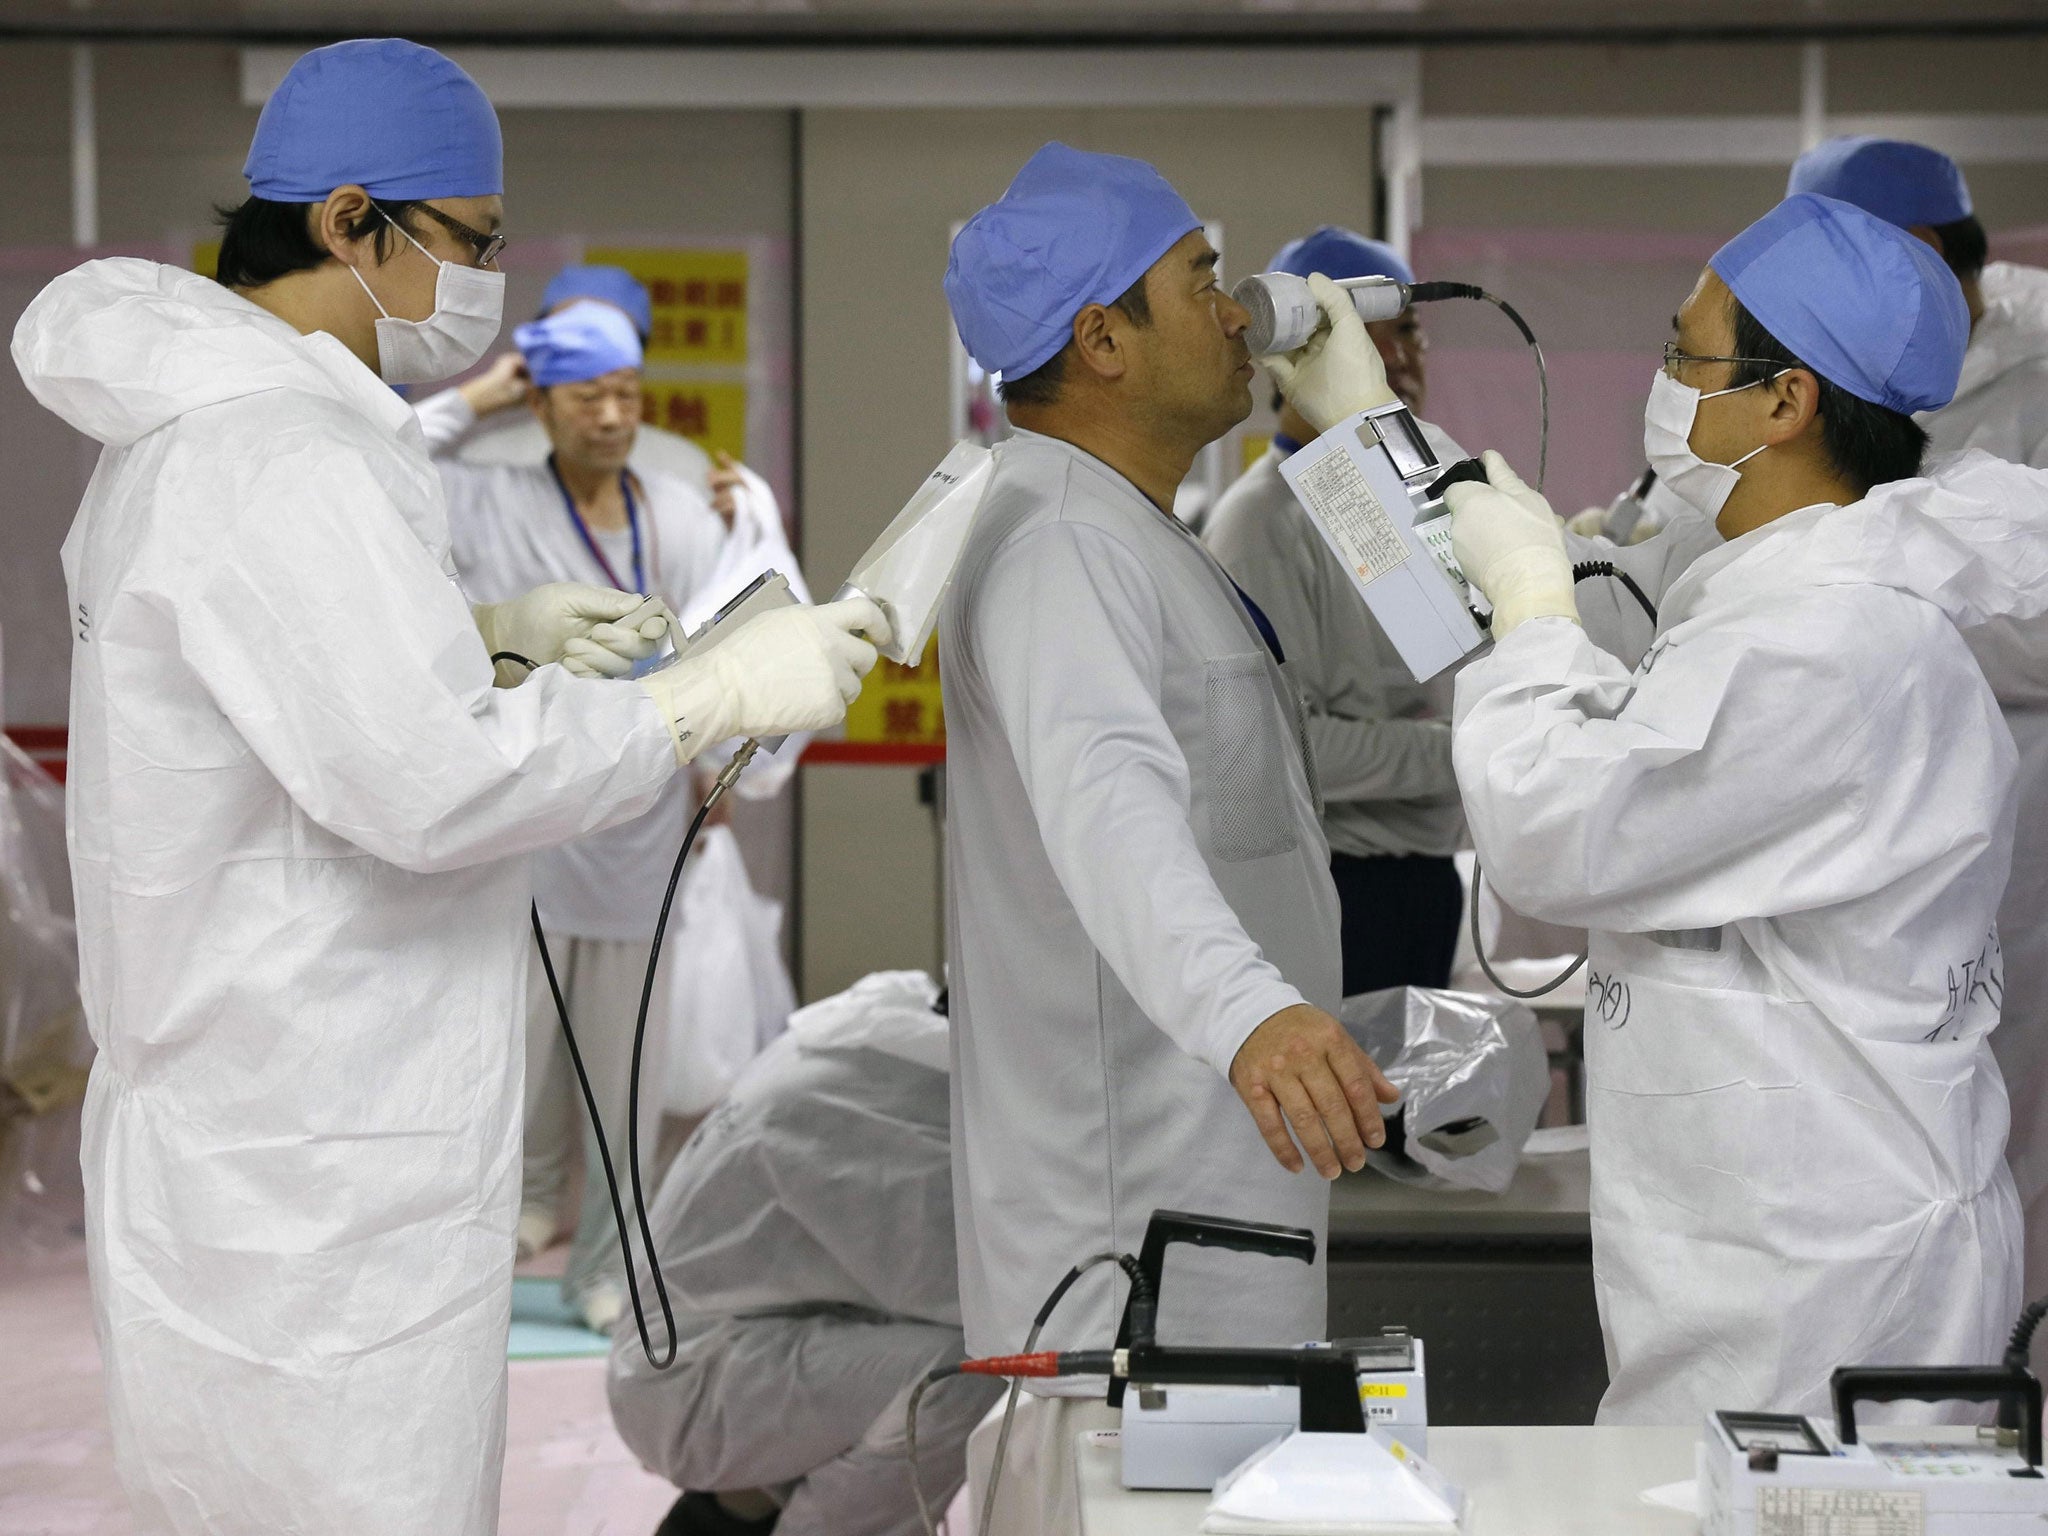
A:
(713, 416)
(699, 300)
(901, 706)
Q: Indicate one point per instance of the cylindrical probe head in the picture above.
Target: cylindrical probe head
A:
(1284, 312)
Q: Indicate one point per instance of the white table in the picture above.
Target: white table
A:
(1547, 1480)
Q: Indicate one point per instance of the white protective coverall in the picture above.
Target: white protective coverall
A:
(600, 896)
(296, 808)
(806, 1235)
(2001, 406)
(1789, 830)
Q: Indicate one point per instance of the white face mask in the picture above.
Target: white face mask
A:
(469, 310)
(1667, 443)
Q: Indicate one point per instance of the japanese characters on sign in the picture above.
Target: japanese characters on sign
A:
(699, 300)
(713, 416)
(900, 706)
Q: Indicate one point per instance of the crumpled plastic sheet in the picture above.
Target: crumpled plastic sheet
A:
(44, 1048)
(1473, 1076)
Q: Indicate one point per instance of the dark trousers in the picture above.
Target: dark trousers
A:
(1401, 915)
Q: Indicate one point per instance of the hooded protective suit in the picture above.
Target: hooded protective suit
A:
(1789, 830)
(806, 1233)
(2001, 400)
(295, 806)
(2001, 406)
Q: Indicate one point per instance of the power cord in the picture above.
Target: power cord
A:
(662, 1361)
(1143, 1303)
(1583, 571)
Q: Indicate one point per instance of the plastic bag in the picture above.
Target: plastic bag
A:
(44, 1048)
(1473, 1076)
(729, 993)
(908, 570)
(1308, 1484)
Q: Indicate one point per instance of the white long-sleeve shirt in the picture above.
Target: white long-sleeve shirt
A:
(512, 531)
(1138, 880)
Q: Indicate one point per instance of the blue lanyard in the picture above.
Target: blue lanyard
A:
(589, 543)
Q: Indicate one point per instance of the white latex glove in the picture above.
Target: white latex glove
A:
(1511, 547)
(1337, 372)
(610, 650)
(794, 669)
(1589, 524)
(616, 628)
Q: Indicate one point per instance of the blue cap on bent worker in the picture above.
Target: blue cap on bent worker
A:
(1860, 301)
(1340, 253)
(1073, 229)
(400, 121)
(1903, 184)
(609, 285)
(585, 341)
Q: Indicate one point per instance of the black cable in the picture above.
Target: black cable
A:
(1427, 293)
(668, 1317)
(2022, 1343)
(2018, 1352)
(1587, 569)
(514, 656)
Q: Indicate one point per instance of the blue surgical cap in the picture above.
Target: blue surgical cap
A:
(1340, 253)
(1903, 184)
(585, 341)
(1073, 229)
(1859, 301)
(612, 285)
(400, 121)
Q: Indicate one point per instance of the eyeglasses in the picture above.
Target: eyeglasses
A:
(1673, 357)
(487, 247)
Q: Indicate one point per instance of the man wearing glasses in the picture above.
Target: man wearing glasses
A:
(1788, 830)
(298, 812)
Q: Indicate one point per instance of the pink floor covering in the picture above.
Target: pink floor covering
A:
(566, 1472)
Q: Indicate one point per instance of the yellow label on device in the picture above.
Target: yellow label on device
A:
(1382, 1389)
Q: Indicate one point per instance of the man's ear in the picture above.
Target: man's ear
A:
(346, 208)
(1099, 344)
(1795, 403)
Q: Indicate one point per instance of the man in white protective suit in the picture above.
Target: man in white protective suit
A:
(1142, 929)
(1788, 829)
(583, 512)
(298, 809)
(806, 1235)
(2001, 406)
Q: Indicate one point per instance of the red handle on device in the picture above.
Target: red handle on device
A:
(1044, 1363)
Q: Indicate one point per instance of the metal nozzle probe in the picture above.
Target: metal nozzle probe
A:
(1284, 313)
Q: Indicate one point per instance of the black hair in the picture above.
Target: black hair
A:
(261, 241)
(1041, 386)
(1869, 445)
(1964, 246)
